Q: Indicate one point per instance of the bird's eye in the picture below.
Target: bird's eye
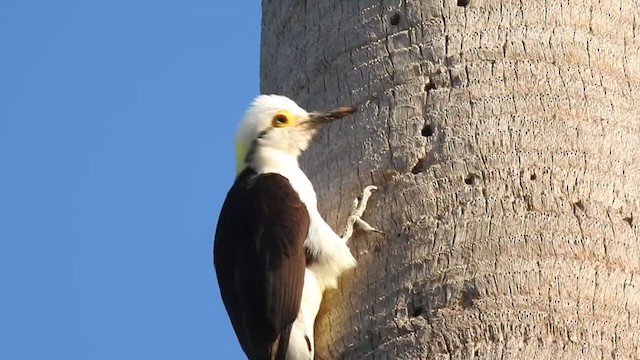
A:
(281, 119)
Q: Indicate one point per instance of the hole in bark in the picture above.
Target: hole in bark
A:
(395, 18)
(417, 311)
(470, 179)
(629, 220)
(533, 177)
(463, 2)
(469, 294)
(429, 86)
(579, 204)
(418, 167)
(476, 353)
(427, 130)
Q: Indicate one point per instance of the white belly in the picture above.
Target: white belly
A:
(301, 345)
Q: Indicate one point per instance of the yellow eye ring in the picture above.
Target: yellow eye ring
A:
(281, 119)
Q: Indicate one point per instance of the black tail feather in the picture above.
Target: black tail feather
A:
(281, 345)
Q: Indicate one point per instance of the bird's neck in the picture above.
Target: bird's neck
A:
(270, 160)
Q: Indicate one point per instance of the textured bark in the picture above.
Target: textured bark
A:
(505, 138)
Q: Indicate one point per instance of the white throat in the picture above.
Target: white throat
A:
(270, 160)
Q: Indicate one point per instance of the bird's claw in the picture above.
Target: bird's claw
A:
(357, 210)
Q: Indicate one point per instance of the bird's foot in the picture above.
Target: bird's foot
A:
(359, 206)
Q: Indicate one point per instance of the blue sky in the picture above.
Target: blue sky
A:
(116, 152)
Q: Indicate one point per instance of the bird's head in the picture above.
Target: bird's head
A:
(278, 123)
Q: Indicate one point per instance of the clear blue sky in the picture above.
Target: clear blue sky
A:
(116, 127)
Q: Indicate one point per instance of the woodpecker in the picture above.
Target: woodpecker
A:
(274, 254)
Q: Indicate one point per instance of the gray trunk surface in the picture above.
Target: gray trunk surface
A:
(505, 139)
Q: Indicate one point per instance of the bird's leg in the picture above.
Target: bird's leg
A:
(359, 206)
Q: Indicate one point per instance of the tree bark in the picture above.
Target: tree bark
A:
(505, 139)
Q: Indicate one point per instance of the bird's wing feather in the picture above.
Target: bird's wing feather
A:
(260, 259)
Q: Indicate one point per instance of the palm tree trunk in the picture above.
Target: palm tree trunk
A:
(505, 139)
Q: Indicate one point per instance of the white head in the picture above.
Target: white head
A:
(277, 122)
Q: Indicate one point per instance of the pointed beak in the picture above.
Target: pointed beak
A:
(321, 118)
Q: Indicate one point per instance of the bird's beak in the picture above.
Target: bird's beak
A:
(321, 118)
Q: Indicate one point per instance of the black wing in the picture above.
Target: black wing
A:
(260, 260)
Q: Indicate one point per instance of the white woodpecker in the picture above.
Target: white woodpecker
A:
(274, 254)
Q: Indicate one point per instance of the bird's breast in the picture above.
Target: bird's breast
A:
(302, 185)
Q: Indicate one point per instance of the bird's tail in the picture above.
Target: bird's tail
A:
(281, 345)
